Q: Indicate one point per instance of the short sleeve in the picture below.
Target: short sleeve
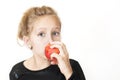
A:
(16, 72)
(77, 71)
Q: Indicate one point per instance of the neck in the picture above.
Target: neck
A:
(40, 62)
(37, 63)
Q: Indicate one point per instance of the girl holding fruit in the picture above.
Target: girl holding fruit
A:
(40, 29)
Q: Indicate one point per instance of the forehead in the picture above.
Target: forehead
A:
(46, 21)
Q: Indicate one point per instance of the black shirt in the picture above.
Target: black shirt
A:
(20, 72)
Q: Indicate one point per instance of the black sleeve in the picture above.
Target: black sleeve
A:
(77, 71)
(16, 72)
(13, 75)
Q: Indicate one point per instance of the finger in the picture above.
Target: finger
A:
(54, 61)
(58, 43)
(55, 56)
(62, 52)
(61, 46)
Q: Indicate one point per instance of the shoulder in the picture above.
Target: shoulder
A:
(74, 62)
(18, 65)
(77, 70)
(75, 65)
(16, 71)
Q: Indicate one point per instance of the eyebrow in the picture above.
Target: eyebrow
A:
(58, 27)
(40, 29)
(45, 28)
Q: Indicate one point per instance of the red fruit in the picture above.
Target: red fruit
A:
(49, 51)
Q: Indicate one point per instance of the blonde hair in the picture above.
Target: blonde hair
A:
(29, 16)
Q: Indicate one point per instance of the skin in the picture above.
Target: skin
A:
(46, 29)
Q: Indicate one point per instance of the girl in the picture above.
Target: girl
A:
(41, 26)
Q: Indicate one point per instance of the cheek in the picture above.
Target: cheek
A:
(56, 38)
(39, 44)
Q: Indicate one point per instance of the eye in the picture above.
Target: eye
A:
(56, 33)
(42, 34)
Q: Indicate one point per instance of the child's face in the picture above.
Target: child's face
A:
(45, 29)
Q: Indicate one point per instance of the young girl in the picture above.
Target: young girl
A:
(41, 26)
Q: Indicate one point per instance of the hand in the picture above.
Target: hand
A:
(62, 59)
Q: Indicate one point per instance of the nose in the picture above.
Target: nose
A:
(50, 38)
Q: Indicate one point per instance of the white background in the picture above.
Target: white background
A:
(90, 30)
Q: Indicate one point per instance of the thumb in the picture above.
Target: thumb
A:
(54, 58)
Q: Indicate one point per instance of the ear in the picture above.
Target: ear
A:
(27, 41)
